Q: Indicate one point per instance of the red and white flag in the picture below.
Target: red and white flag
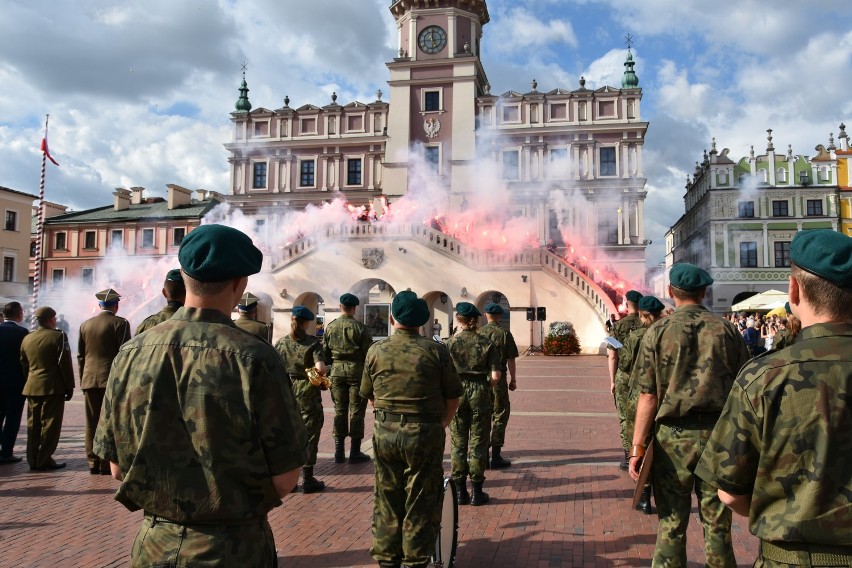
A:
(45, 151)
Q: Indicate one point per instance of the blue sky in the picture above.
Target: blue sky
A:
(141, 95)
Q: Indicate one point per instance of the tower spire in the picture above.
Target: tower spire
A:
(243, 104)
(629, 80)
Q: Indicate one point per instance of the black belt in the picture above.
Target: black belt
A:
(211, 523)
(383, 416)
(694, 418)
(800, 553)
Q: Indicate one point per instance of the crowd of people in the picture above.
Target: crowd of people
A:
(208, 426)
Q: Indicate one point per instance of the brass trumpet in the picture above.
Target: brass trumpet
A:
(320, 381)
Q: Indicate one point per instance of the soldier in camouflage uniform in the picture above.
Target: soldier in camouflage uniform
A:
(345, 344)
(618, 379)
(505, 343)
(686, 365)
(779, 455)
(477, 362)
(785, 337)
(650, 311)
(174, 292)
(46, 365)
(247, 320)
(198, 424)
(415, 392)
(302, 351)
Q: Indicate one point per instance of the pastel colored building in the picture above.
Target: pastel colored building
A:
(15, 243)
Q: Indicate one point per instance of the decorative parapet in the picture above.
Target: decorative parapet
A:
(478, 259)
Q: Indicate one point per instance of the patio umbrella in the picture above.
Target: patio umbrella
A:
(759, 301)
(780, 312)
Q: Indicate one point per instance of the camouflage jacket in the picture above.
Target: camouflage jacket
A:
(198, 418)
(299, 355)
(784, 437)
(254, 327)
(410, 374)
(689, 360)
(624, 326)
(504, 341)
(345, 344)
(474, 355)
(781, 340)
(161, 316)
(628, 354)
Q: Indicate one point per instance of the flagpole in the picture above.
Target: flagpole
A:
(40, 225)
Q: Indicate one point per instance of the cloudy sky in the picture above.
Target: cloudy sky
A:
(139, 94)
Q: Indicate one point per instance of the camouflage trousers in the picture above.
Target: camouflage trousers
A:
(470, 429)
(622, 398)
(310, 403)
(349, 407)
(166, 544)
(678, 446)
(630, 412)
(500, 417)
(408, 490)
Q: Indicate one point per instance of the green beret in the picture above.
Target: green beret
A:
(44, 312)
(302, 312)
(174, 275)
(491, 308)
(689, 277)
(216, 253)
(824, 253)
(409, 310)
(466, 309)
(633, 296)
(349, 300)
(787, 308)
(108, 297)
(248, 302)
(651, 304)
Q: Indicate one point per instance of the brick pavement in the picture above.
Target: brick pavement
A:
(563, 503)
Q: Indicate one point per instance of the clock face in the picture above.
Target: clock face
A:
(432, 39)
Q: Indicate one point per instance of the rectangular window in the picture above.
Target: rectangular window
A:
(261, 128)
(309, 126)
(90, 240)
(60, 243)
(608, 161)
(147, 238)
(432, 155)
(559, 163)
(814, 207)
(748, 255)
(87, 277)
(259, 176)
(558, 112)
(607, 231)
(117, 238)
(511, 168)
(606, 108)
(8, 269)
(353, 171)
(178, 233)
(431, 101)
(11, 220)
(306, 173)
(746, 208)
(58, 278)
(355, 124)
(779, 209)
(782, 254)
(511, 114)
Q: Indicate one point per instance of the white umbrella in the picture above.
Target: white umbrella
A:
(757, 302)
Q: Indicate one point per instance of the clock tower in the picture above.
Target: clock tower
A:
(435, 80)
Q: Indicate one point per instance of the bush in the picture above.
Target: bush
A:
(561, 339)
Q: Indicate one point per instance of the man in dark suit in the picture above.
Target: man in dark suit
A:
(100, 339)
(11, 380)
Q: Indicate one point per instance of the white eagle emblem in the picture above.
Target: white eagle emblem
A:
(431, 126)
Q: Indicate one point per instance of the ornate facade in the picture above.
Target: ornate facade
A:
(741, 215)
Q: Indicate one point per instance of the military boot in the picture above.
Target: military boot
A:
(339, 450)
(478, 496)
(625, 465)
(498, 461)
(355, 453)
(311, 484)
(462, 496)
(644, 504)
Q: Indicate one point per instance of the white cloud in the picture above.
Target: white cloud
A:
(678, 97)
(520, 30)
